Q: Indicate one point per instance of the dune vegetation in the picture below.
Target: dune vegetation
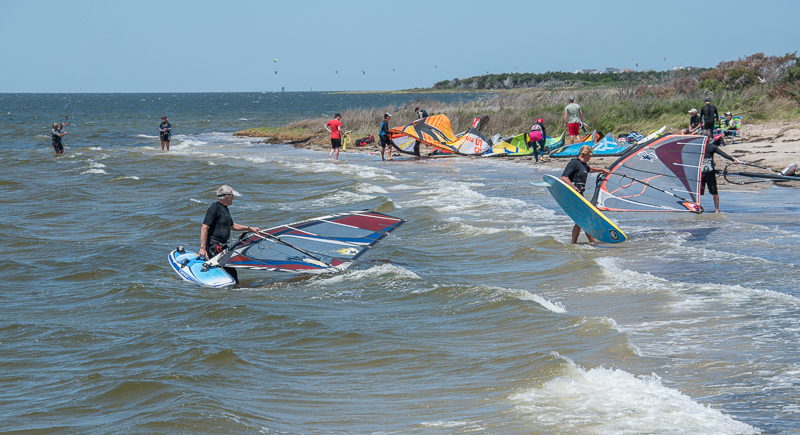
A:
(759, 87)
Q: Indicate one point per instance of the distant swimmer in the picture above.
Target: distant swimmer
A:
(383, 134)
(217, 226)
(575, 174)
(57, 133)
(573, 119)
(164, 132)
(421, 113)
(709, 175)
(334, 127)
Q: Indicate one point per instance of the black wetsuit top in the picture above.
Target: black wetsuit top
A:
(219, 219)
(708, 159)
(694, 121)
(56, 133)
(577, 172)
(165, 134)
(709, 114)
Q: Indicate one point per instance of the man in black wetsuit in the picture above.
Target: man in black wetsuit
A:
(164, 132)
(575, 174)
(217, 226)
(57, 134)
(709, 176)
(710, 116)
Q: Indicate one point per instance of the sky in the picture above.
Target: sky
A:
(301, 45)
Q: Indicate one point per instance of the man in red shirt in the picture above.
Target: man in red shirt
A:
(334, 127)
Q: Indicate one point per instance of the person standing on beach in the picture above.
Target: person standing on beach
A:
(710, 116)
(217, 226)
(383, 135)
(57, 133)
(536, 137)
(164, 132)
(575, 174)
(334, 127)
(421, 113)
(709, 175)
(573, 119)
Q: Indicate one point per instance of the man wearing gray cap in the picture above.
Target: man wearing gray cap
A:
(217, 226)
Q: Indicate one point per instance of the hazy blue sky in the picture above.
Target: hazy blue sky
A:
(183, 46)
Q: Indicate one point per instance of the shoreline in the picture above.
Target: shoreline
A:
(773, 144)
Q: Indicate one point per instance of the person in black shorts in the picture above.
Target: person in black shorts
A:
(709, 175)
(164, 132)
(217, 226)
(575, 174)
(383, 134)
(57, 133)
(710, 116)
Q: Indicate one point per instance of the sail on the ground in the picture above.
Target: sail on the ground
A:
(405, 144)
(511, 146)
(437, 132)
(607, 146)
(551, 143)
(662, 175)
(324, 244)
(747, 173)
(434, 131)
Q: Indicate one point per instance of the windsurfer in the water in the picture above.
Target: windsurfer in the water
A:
(217, 226)
(57, 133)
(575, 174)
(709, 176)
(164, 133)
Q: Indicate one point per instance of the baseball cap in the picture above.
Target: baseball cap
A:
(540, 120)
(164, 117)
(728, 113)
(708, 100)
(227, 190)
(692, 110)
(387, 114)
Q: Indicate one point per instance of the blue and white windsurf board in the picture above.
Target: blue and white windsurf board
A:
(189, 266)
(587, 216)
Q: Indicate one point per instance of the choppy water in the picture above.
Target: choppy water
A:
(475, 316)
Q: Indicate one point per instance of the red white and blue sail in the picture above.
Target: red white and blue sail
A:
(663, 175)
(319, 245)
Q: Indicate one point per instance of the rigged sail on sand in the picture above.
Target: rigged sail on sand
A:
(437, 132)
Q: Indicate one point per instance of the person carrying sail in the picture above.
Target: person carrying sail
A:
(575, 174)
(217, 226)
(709, 175)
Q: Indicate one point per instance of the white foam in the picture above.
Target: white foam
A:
(339, 198)
(210, 163)
(369, 188)
(353, 170)
(127, 177)
(196, 200)
(603, 400)
(96, 165)
(525, 295)
(96, 148)
(462, 426)
(370, 273)
(145, 136)
(94, 171)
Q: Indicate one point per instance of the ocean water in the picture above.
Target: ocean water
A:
(476, 316)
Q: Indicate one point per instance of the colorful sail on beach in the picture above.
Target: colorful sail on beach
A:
(662, 175)
(324, 244)
(437, 132)
(607, 146)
